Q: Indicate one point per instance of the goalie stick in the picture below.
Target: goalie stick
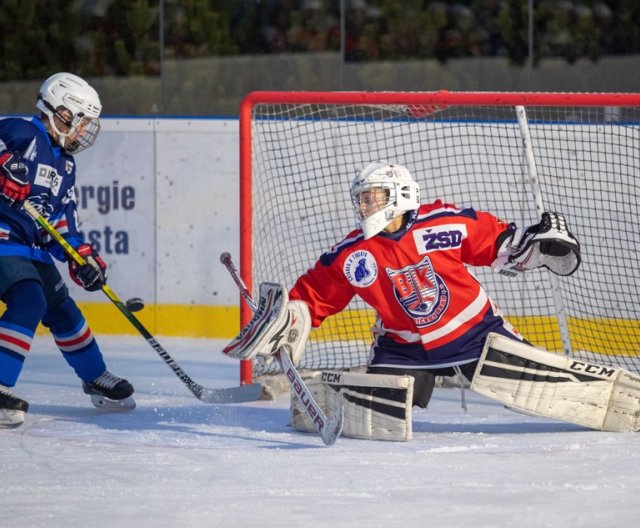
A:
(243, 393)
(328, 427)
(532, 170)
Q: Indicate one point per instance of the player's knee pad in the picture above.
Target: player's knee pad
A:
(63, 315)
(26, 304)
(376, 406)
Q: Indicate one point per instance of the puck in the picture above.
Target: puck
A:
(135, 304)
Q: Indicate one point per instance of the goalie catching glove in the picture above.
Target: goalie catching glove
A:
(548, 244)
(277, 322)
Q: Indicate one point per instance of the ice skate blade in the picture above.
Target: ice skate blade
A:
(10, 419)
(101, 402)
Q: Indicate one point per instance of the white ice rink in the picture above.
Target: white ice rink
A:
(176, 462)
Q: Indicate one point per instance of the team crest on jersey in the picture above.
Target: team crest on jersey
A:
(68, 166)
(420, 291)
(360, 269)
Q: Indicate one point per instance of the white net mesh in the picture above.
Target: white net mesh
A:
(304, 157)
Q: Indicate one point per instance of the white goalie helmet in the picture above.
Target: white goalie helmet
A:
(382, 192)
(81, 123)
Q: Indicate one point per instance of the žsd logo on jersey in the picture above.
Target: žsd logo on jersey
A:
(360, 269)
(439, 238)
(421, 292)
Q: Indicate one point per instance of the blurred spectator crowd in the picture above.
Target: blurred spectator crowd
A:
(388, 29)
(132, 37)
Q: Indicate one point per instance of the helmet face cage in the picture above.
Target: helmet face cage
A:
(86, 131)
(382, 192)
(371, 198)
(67, 98)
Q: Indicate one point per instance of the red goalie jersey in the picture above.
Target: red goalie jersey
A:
(431, 311)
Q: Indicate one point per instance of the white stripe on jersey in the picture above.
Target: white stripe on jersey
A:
(456, 322)
(405, 335)
(5, 230)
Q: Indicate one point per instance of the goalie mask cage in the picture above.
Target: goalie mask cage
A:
(300, 151)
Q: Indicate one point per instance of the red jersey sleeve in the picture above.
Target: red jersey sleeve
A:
(479, 248)
(324, 289)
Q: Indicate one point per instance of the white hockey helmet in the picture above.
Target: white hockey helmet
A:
(66, 91)
(396, 191)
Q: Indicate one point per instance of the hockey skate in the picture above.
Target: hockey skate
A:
(110, 392)
(12, 409)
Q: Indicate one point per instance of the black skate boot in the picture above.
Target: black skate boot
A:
(110, 392)
(12, 409)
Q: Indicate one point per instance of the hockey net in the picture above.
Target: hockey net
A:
(300, 151)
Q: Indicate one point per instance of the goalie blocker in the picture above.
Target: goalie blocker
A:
(276, 322)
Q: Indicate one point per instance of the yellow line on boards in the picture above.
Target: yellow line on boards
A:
(216, 322)
(602, 335)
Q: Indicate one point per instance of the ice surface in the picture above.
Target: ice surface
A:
(177, 462)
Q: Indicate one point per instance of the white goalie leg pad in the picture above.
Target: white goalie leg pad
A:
(263, 334)
(376, 406)
(556, 386)
(317, 390)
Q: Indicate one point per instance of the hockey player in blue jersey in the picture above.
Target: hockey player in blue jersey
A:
(37, 164)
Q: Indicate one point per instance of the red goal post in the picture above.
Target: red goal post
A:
(300, 150)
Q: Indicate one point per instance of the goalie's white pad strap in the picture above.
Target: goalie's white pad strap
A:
(557, 386)
(263, 334)
(376, 406)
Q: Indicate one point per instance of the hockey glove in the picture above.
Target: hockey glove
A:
(276, 323)
(92, 275)
(14, 177)
(548, 244)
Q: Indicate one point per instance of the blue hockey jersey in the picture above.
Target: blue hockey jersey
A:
(52, 173)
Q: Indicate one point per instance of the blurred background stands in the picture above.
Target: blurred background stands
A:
(200, 57)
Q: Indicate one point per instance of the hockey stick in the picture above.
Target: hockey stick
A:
(243, 393)
(225, 258)
(329, 428)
